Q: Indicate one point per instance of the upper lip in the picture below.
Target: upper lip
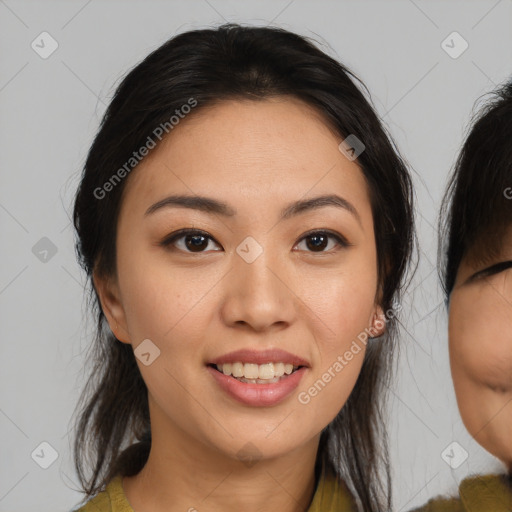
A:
(275, 355)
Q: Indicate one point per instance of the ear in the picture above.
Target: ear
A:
(377, 322)
(111, 304)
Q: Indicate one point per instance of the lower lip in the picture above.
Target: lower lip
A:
(258, 395)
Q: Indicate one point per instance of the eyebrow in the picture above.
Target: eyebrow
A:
(210, 205)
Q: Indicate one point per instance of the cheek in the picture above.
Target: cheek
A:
(346, 304)
(161, 298)
(342, 309)
(481, 361)
(479, 335)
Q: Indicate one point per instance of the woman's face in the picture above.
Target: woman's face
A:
(481, 350)
(258, 281)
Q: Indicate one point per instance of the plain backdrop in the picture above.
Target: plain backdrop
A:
(425, 92)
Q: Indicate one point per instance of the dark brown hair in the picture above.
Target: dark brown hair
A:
(236, 62)
(477, 205)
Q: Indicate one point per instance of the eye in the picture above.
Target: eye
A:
(493, 269)
(320, 239)
(194, 240)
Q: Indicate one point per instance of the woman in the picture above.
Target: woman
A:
(477, 280)
(246, 224)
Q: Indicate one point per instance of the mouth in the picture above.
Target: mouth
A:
(279, 380)
(258, 378)
(251, 373)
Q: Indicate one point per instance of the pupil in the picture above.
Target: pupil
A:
(196, 244)
(321, 244)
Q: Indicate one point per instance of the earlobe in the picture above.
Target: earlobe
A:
(378, 323)
(112, 307)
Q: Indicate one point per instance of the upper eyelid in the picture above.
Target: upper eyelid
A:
(492, 269)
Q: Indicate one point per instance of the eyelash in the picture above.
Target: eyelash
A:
(493, 269)
(173, 237)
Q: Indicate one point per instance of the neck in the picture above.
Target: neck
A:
(182, 474)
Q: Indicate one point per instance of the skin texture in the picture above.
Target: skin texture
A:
(258, 156)
(480, 341)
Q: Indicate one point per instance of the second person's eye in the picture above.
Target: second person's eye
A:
(493, 269)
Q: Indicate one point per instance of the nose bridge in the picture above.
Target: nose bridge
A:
(259, 295)
(258, 265)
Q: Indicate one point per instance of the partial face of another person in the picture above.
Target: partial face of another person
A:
(480, 338)
(245, 276)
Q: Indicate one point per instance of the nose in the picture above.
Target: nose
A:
(259, 295)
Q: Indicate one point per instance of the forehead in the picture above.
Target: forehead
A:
(268, 150)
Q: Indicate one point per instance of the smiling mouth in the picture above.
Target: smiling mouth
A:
(251, 373)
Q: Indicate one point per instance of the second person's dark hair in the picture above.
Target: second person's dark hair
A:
(477, 205)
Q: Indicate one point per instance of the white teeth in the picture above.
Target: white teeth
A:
(254, 373)
(266, 371)
(279, 369)
(237, 369)
(251, 371)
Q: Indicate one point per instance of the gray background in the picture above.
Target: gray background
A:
(50, 110)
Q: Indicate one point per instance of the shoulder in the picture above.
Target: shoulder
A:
(492, 491)
(441, 505)
(484, 492)
(331, 495)
(112, 499)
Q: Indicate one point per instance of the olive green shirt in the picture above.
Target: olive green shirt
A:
(329, 496)
(489, 493)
